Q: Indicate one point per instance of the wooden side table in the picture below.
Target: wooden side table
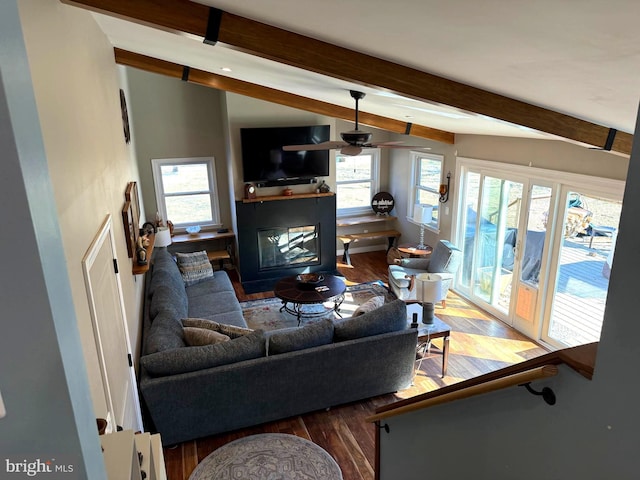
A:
(414, 251)
(429, 332)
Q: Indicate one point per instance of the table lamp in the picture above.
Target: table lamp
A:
(422, 214)
(163, 237)
(428, 292)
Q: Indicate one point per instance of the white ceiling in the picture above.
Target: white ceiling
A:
(578, 57)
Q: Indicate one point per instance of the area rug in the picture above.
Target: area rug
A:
(268, 456)
(266, 315)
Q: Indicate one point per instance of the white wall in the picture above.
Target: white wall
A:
(76, 87)
(400, 181)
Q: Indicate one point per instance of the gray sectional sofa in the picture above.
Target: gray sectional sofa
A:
(255, 377)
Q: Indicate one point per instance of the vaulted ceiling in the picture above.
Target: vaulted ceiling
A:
(543, 69)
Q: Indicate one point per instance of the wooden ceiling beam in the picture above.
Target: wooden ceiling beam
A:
(283, 46)
(220, 82)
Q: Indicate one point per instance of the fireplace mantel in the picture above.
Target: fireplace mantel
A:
(295, 196)
(317, 211)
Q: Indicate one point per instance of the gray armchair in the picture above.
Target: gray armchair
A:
(444, 260)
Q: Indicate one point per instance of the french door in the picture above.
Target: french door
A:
(503, 243)
(537, 252)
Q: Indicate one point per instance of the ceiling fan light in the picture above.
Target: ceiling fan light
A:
(351, 150)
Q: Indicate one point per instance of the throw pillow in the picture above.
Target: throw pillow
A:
(293, 339)
(194, 267)
(232, 331)
(369, 305)
(390, 317)
(192, 359)
(195, 337)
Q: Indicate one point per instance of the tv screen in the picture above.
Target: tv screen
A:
(264, 160)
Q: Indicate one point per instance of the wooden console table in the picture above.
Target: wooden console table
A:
(205, 236)
(349, 238)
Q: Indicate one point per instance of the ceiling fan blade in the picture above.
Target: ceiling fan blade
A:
(315, 146)
(391, 145)
(416, 147)
(384, 144)
(398, 144)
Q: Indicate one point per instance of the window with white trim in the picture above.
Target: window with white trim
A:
(186, 191)
(425, 187)
(357, 181)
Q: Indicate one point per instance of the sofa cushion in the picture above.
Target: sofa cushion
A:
(371, 304)
(194, 266)
(166, 276)
(220, 282)
(165, 333)
(168, 298)
(191, 359)
(390, 317)
(201, 336)
(232, 331)
(292, 339)
(214, 303)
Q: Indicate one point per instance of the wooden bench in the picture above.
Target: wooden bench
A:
(348, 238)
(220, 256)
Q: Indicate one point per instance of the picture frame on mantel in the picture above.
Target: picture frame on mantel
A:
(131, 217)
(129, 230)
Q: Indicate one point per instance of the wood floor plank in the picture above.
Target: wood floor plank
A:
(479, 344)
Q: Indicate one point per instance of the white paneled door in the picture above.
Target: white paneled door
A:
(109, 324)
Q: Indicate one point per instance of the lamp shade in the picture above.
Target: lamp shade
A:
(428, 288)
(422, 213)
(163, 237)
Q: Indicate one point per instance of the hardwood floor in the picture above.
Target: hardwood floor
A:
(479, 344)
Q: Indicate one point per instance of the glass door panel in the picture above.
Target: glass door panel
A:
(469, 220)
(531, 257)
(496, 242)
(491, 219)
(581, 278)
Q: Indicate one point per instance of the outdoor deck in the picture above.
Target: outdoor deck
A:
(581, 292)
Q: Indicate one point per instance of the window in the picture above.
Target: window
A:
(186, 191)
(356, 181)
(427, 176)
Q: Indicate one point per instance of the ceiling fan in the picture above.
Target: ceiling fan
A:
(353, 141)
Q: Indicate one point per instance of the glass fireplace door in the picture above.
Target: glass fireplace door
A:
(292, 246)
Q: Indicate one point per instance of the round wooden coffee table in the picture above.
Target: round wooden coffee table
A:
(295, 295)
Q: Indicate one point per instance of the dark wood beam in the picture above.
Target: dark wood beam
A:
(220, 82)
(280, 45)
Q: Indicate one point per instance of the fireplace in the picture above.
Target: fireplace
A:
(284, 247)
(285, 237)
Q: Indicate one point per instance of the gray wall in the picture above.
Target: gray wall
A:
(175, 119)
(592, 431)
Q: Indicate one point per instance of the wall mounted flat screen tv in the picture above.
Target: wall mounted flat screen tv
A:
(263, 159)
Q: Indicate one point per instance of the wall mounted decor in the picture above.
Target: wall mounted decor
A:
(129, 230)
(131, 217)
(125, 117)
